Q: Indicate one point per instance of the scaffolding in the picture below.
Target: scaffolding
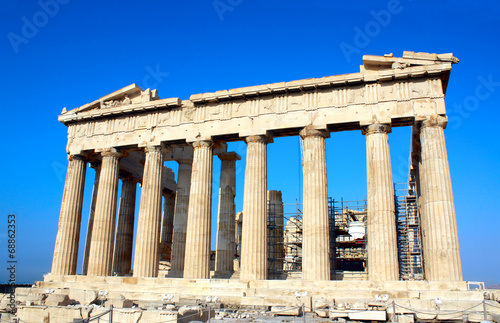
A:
(347, 221)
(408, 232)
(348, 254)
(275, 237)
(348, 239)
(292, 239)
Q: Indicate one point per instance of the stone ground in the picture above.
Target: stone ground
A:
(278, 319)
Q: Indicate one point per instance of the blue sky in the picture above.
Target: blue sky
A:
(71, 52)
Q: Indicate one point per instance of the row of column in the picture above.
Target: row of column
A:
(439, 229)
(103, 255)
(190, 226)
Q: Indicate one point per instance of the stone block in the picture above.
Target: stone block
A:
(57, 300)
(415, 294)
(368, 316)
(283, 310)
(494, 295)
(407, 318)
(52, 277)
(35, 299)
(125, 315)
(359, 306)
(21, 294)
(8, 317)
(252, 301)
(83, 297)
(307, 301)
(119, 303)
(193, 313)
(322, 303)
(69, 278)
(376, 304)
(170, 298)
(160, 316)
(421, 316)
(4, 301)
(274, 301)
(335, 314)
(64, 314)
(447, 286)
(321, 312)
(479, 317)
(32, 314)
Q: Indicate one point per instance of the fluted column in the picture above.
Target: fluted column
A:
(275, 234)
(237, 240)
(197, 257)
(439, 227)
(86, 252)
(316, 229)
(68, 234)
(254, 231)
(226, 218)
(167, 226)
(103, 232)
(381, 226)
(146, 257)
(122, 259)
(180, 217)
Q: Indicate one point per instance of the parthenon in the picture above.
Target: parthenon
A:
(129, 134)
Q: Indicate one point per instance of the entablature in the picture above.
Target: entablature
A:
(387, 90)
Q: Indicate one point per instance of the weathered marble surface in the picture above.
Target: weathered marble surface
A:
(386, 89)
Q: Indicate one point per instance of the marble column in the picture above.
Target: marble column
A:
(275, 234)
(439, 227)
(103, 232)
(238, 226)
(180, 217)
(167, 226)
(124, 239)
(197, 257)
(146, 257)
(224, 255)
(316, 229)
(86, 252)
(382, 245)
(68, 234)
(254, 230)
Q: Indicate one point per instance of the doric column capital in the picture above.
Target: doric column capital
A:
(259, 138)
(376, 128)
(202, 143)
(229, 156)
(111, 152)
(127, 177)
(77, 157)
(435, 121)
(156, 149)
(310, 131)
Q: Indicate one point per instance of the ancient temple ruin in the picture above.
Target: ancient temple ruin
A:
(128, 135)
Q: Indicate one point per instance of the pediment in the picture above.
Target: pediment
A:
(126, 96)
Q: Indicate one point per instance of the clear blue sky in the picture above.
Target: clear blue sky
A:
(73, 53)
